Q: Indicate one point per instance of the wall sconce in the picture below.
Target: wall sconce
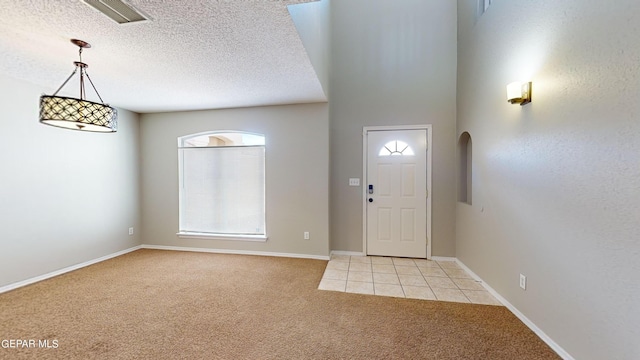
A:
(519, 93)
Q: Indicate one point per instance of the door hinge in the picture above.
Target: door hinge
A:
(426, 193)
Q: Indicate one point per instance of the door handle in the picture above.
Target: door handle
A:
(370, 199)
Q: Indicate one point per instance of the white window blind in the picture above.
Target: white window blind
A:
(222, 190)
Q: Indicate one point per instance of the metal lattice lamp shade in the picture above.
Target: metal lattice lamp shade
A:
(77, 114)
(74, 113)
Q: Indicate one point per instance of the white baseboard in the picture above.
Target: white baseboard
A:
(346, 253)
(64, 270)
(541, 334)
(237, 252)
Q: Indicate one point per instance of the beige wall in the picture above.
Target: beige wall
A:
(392, 63)
(556, 184)
(67, 196)
(297, 184)
(313, 22)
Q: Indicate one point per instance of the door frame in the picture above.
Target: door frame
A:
(365, 145)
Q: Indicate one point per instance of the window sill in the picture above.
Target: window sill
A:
(195, 235)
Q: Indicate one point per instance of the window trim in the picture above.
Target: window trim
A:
(214, 236)
(182, 139)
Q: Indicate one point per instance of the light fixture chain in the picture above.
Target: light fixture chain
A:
(65, 82)
(82, 92)
(94, 87)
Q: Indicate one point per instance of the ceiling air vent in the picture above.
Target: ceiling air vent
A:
(117, 10)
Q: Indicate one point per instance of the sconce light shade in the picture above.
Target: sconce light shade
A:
(519, 93)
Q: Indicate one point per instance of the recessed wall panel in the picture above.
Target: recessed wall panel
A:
(384, 180)
(408, 180)
(407, 225)
(384, 224)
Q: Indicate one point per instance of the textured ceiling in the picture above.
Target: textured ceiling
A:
(193, 54)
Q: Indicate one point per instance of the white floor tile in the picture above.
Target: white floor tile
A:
(450, 295)
(359, 267)
(440, 282)
(343, 258)
(335, 274)
(360, 287)
(468, 284)
(457, 273)
(332, 285)
(432, 272)
(418, 292)
(381, 260)
(448, 265)
(403, 262)
(337, 265)
(481, 297)
(401, 277)
(379, 278)
(360, 276)
(412, 280)
(388, 290)
(383, 268)
(361, 259)
(426, 263)
(407, 270)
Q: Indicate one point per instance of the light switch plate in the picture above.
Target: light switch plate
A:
(354, 182)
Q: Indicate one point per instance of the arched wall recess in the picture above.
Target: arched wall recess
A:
(465, 168)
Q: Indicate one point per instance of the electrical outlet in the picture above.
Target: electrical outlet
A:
(354, 182)
(523, 282)
(130, 231)
(306, 235)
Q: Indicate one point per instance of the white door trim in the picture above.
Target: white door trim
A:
(365, 131)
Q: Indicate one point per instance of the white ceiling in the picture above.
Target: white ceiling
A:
(193, 54)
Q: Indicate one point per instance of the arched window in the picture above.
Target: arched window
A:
(214, 139)
(222, 185)
(396, 148)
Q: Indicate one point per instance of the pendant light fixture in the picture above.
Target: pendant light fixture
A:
(74, 113)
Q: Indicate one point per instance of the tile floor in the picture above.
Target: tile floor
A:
(402, 277)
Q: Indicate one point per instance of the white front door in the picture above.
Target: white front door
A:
(396, 193)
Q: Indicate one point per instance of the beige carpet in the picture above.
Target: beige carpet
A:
(153, 304)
